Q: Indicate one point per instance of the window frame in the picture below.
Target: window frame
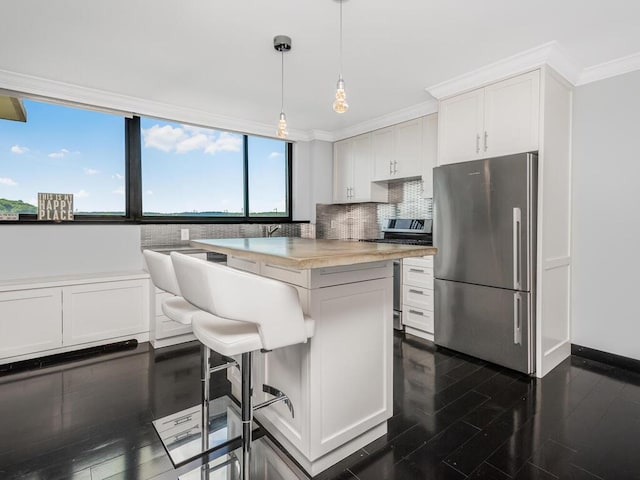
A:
(133, 188)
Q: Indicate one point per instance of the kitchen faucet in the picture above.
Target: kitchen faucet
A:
(271, 229)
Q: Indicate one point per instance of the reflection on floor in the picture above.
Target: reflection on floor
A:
(455, 417)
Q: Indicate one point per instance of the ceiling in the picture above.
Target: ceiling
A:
(218, 57)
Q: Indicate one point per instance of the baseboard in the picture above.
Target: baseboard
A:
(65, 357)
(606, 357)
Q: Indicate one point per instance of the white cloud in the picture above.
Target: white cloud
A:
(117, 176)
(149, 192)
(81, 194)
(19, 150)
(91, 171)
(9, 182)
(275, 155)
(59, 154)
(186, 138)
(119, 191)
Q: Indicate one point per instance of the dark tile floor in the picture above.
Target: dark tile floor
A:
(455, 417)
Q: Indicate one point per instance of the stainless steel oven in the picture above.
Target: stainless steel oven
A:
(413, 231)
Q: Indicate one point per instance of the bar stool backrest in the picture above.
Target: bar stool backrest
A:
(236, 295)
(160, 267)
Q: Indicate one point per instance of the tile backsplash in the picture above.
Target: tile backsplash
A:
(365, 220)
(169, 234)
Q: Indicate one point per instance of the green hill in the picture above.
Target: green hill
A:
(16, 206)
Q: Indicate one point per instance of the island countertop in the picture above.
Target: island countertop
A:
(306, 253)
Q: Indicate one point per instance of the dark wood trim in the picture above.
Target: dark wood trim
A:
(605, 357)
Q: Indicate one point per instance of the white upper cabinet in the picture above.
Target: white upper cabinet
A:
(460, 124)
(429, 153)
(342, 171)
(352, 172)
(397, 151)
(499, 119)
(511, 115)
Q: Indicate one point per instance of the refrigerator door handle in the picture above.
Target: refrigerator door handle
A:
(517, 324)
(517, 237)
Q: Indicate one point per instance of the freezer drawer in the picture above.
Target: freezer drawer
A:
(493, 324)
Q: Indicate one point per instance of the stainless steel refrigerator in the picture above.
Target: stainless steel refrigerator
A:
(485, 230)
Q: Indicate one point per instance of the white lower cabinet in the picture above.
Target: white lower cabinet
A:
(340, 381)
(30, 321)
(60, 314)
(103, 310)
(417, 296)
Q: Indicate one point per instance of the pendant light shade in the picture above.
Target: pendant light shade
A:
(340, 104)
(282, 44)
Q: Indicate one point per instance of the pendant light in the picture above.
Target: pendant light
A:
(340, 104)
(282, 44)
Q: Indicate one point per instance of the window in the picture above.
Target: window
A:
(140, 169)
(62, 149)
(192, 171)
(268, 177)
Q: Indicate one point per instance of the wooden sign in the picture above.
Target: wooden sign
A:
(55, 207)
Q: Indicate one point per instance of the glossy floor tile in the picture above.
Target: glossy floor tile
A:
(455, 417)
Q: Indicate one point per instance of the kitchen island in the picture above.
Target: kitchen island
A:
(341, 381)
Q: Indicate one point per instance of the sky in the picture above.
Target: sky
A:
(184, 168)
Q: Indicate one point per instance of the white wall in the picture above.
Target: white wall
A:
(606, 216)
(45, 250)
(312, 177)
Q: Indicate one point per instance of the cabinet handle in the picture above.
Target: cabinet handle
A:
(419, 292)
(486, 142)
(416, 270)
(390, 167)
(517, 331)
(395, 167)
(478, 143)
(417, 312)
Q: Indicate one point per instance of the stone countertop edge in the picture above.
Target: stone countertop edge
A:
(321, 260)
(175, 248)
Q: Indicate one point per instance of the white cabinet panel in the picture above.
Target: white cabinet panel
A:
(342, 171)
(499, 119)
(418, 318)
(397, 151)
(511, 115)
(30, 321)
(417, 276)
(460, 126)
(407, 149)
(353, 172)
(383, 154)
(429, 155)
(104, 310)
(419, 297)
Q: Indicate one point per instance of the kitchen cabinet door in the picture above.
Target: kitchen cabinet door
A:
(383, 154)
(342, 171)
(407, 149)
(97, 311)
(362, 168)
(429, 153)
(511, 116)
(460, 126)
(30, 321)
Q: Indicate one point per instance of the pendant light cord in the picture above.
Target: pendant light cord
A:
(282, 83)
(341, 38)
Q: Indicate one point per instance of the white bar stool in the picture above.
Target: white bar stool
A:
(163, 276)
(241, 313)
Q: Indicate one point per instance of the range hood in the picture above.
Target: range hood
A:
(11, 108)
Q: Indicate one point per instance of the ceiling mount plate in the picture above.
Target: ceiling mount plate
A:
(282, 43)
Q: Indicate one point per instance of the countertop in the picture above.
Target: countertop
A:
(304, 253)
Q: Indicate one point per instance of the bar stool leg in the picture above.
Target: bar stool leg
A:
(205, 376)
(247, 414)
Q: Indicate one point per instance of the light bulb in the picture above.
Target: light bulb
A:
(282, 126)
(340, 104)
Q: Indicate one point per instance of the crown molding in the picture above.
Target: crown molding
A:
(548, 53)
(399, 116)
(323, 135)
(619, 66)
(127, 105)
